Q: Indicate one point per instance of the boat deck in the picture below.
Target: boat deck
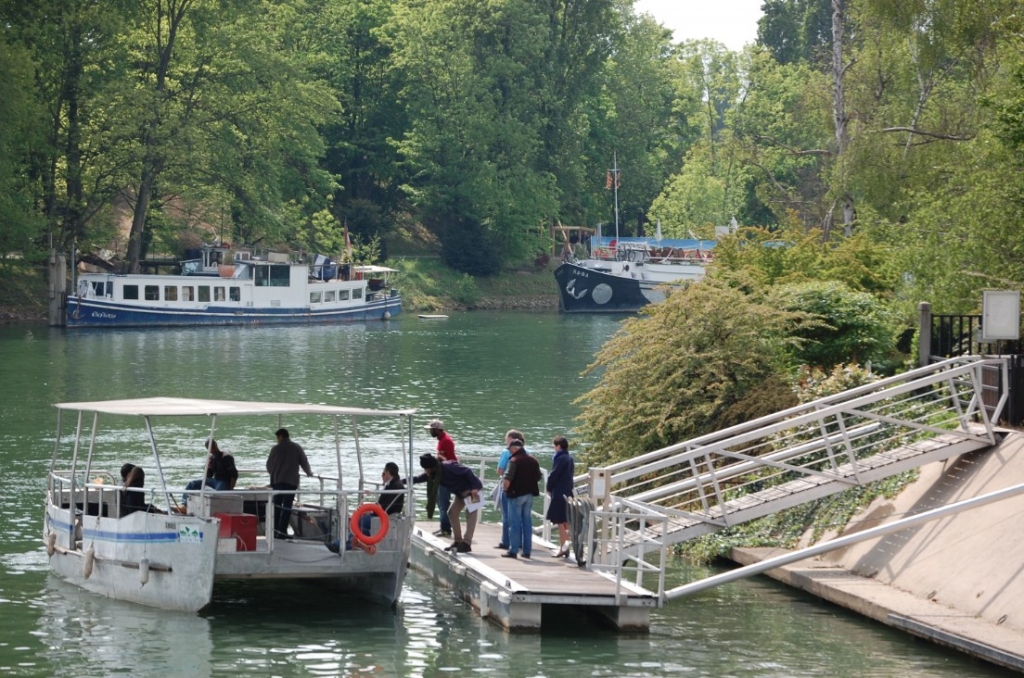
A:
(515, 593)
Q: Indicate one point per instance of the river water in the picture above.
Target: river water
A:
(483, 373)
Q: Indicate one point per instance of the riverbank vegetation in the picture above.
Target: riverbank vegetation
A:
(125, 128)
(762, 333)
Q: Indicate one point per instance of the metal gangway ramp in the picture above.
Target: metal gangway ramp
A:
(627, 514)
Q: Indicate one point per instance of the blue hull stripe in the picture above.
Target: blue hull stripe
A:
(148, 537)
(106, 535)
(100, 313)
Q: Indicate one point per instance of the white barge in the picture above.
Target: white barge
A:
(268, 291)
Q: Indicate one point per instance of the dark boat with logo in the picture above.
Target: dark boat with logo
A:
(622, 275)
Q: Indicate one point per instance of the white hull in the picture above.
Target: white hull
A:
(186, 559)
(180, 550)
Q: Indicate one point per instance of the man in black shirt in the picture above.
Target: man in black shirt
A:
(521, 485)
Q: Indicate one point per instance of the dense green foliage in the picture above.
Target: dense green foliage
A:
(126, 124)
(855, 326)
(709, 356)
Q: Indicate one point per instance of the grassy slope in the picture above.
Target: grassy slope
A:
(428, 285)
(23, 295)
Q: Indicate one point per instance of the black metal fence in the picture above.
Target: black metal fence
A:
(957, 335)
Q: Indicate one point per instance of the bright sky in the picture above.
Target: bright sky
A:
(731, 22)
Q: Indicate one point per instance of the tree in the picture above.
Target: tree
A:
(792, 255)
(475, 133)
(856, 327)
(710, 188)
(843, 197)
(19, 140)
(710, 356)
(582, 40)
(344, 38)
(781, 132)
(76, 53)
(796, 30)
(220, 118)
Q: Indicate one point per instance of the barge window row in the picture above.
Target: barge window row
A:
(199, 293)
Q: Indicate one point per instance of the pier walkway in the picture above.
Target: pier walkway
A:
(625, 516)
(514, 593)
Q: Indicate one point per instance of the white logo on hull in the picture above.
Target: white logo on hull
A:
(570, 289)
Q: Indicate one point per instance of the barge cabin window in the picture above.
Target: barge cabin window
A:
(273, 276)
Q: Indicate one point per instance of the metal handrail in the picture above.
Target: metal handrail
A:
(480, 463)
(824, 446)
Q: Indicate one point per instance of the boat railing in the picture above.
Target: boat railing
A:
(102, 497)
(317, 514)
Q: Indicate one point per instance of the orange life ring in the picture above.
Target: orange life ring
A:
(357, 532)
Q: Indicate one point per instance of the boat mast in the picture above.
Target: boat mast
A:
(615, 185)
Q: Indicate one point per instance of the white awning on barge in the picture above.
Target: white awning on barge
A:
(180, 407)
(371, 269)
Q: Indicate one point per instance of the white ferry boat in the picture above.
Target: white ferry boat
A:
(132, 544)
(250, 291)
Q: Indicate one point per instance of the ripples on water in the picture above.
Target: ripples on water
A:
(483, 373)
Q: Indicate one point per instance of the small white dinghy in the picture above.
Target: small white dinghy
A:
(432, 316)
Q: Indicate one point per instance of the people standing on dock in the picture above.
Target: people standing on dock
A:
(445, 454)
(559, 486)
(221, 472)
(513, 434)
(522, 484)
(283, 466)
(462, 484)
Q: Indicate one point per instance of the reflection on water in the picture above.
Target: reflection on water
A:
(755, 629)
(483, 373)
(85, 634)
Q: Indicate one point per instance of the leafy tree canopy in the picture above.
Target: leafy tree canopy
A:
(710, 356)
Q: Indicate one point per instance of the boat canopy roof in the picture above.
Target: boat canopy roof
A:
(632, 241)
(177, 407)
(375, 269)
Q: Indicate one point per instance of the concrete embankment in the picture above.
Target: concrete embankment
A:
(957, 581)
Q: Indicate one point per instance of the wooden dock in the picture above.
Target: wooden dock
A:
(515, 593)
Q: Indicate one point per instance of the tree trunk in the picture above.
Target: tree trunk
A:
(74, 228)
(170, 15)
(142, 201)
(840, 119)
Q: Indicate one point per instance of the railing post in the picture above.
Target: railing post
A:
(601, 491)
(924, 334)
(600, 487)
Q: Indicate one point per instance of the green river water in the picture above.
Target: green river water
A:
(483, 373)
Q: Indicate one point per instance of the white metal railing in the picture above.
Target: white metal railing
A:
(841, 542)
(320, 514)
(779, 461)
(606, 535)
(480, 464)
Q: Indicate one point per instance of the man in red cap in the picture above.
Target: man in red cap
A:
(445, 454)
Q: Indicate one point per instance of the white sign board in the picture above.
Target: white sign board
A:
(1000, 315)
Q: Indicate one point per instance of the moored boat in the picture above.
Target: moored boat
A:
(622, 275)
(250, 291)
(107, 539)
